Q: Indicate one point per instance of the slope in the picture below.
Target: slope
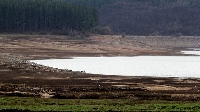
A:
(155, 17)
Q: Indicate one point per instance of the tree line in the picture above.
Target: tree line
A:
(164, 2)
(45, 15)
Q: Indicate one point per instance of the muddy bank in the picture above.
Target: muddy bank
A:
(19, 77)
(22, 78)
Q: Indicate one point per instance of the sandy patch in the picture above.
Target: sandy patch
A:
(164, 87)
(56, 78)
(25, 77)
(159, 81)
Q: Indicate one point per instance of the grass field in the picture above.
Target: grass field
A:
(39, 104)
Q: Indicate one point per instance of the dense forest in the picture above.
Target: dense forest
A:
(147, 17)
(152, 17)
(91, 3)
(132, 17)
(45, 15)
(99, 3)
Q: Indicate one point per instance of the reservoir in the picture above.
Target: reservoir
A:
(156, 66)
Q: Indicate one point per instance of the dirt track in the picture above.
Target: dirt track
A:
(22, 78)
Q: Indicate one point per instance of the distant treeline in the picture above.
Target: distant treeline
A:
(45, 15)
(92, 3)
(152, 17)
(163, 2)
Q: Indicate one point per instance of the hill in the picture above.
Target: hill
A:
(152, 17)
(132, 17)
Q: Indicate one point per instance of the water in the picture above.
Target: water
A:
(195, 51)
(159, 66)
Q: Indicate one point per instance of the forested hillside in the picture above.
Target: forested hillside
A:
(45, 15)
(152, 17)
(133, 17)
(92, 3)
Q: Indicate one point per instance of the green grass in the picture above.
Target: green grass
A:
(39, 104)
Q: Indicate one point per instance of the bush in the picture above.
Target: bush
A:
(102, 30)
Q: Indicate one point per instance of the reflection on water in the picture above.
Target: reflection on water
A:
(159, 66)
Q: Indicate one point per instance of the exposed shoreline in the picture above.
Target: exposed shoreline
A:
(22, 78)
